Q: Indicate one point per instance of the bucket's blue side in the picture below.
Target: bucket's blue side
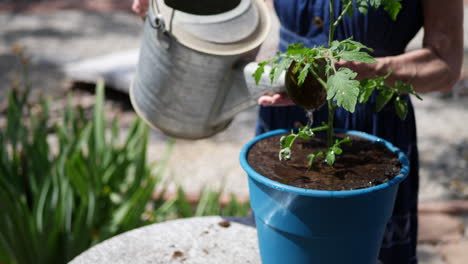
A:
(302, 226)
(301, 229)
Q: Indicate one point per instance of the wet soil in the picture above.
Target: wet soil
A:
(363, 164)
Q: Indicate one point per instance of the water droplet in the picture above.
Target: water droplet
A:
(310, 117)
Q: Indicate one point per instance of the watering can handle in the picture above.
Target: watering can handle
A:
(157, 21)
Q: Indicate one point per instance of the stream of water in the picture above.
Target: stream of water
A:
(310, 117)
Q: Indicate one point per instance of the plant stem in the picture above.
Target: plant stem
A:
(331, 117)
(321, 81)
(340, 17)
(331, 31)
(333, 24)
(331, 107)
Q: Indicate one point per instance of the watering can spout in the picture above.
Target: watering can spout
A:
(244, 91)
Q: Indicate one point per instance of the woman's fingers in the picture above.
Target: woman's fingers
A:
(364, 70)
(140, 7)
(276, 99)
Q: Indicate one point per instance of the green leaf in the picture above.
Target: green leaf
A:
(383, 98)
(285, 154)
(287, 141)
(366, 89)
(375, 3)
(357, 56)
(337, 150)
(343, 89)
(298, 52)
(259, 72)
(401, 108)
(362, 6)
(345, 140)
(406, 88)
(311, 158)
(278, 69)
(330, 157)
(392, 7)
(363, 9)
(303, 74)
(295, 48)
(306, 132)
(351, 45)
(334, 45)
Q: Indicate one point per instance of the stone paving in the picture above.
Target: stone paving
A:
(58, 37)
(443, 232)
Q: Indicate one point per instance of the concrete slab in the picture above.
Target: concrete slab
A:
(203, 240)
(200, 240)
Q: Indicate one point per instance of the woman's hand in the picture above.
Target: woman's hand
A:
(434, 67)
(275, 99)
(140, 7)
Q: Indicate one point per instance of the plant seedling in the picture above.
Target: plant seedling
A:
(342, 88)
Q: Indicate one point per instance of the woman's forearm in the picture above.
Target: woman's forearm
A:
(436, 66)
(422, 68)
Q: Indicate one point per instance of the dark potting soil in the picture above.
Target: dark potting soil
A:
(363, 164)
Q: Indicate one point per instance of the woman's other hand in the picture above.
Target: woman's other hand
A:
(140, 7)
(276, 99)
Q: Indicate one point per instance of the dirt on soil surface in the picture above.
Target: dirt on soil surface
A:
(363, 164)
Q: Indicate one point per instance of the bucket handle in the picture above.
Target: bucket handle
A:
(157, 21)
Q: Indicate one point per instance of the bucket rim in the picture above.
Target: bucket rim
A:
(325, 193)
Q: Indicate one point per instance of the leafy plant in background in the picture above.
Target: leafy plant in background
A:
(208, 204)
(340, 84)
(57, 202)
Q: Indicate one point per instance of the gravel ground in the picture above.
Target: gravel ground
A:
(54, 38)
(443, 147)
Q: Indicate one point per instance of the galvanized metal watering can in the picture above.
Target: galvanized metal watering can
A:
(190, 79)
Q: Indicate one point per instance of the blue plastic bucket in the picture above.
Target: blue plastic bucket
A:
(304, 226)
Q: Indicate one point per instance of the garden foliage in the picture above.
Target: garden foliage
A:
(55, 202)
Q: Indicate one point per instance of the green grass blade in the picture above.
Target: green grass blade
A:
(98, 118)
(183, 205)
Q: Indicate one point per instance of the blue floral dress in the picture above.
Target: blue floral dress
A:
(305, 21)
